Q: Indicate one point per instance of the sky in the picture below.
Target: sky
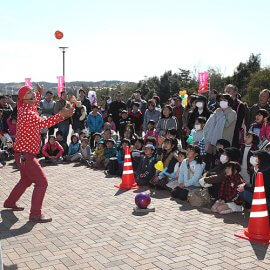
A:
(128, 40)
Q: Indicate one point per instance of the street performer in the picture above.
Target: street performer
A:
(27, 146)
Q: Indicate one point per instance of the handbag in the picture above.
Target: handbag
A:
(199, 197)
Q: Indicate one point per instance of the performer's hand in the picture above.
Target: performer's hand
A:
(40, 88)
(66, 113)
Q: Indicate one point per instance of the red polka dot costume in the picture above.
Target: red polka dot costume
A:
(28, 128)
(27, 146)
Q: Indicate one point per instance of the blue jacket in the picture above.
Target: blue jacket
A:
(94, 123)
(74, 148)
(190, 177)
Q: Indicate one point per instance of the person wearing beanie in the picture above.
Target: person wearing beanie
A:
(27, 147)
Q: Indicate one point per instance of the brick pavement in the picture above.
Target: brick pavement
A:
(94, 228)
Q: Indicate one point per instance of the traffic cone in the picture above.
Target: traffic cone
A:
(258, 225)
(128, 180)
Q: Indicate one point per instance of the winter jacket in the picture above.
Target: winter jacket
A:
(136, 119)
(215, 175)
(228, 189)
(11, 128)
(190, 177)
(94, 122)
(47, 107)
(146, 170)
(110, 152)
(74, 148)
(265, 132)
(150, 115)
(220, 125)
(50, 149)
(166, 123)
(256, 128)
(86, 152)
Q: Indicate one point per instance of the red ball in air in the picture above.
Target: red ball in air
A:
(58, 34)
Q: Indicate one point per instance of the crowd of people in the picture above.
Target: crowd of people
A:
(216, 143)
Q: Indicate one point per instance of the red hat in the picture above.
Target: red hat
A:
(22, 91)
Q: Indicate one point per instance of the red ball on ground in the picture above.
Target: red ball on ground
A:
(58, 34)
(142, 200)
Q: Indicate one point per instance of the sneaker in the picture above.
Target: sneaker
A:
(14, 208)
(41, 219)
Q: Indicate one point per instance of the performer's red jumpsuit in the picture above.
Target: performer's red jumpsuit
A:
(26, 147)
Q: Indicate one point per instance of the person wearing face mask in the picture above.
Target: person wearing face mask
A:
(197, 132)
(251, 144)
(200, 110)
(213, 177)
(261, 163)
(220, 125)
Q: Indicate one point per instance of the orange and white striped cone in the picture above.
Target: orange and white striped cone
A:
(258, 225)
(128, 180)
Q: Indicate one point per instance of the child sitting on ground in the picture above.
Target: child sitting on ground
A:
(59, 138)
(96, 138)
(110, 120)
(98, 156)
(146, 170)
(220, 146)
(52, 151)
(136, 152)
(85, 151)
(169, 159)
(121, 155)
(174, 183)
(229, 200)
(74, 149)
(251, 144)
(12, 124)
(151, 130)
(109, 152)
(191, 170)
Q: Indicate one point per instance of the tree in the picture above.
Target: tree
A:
(258, 81)
(244, 71)
(217, 80)
(164, 92)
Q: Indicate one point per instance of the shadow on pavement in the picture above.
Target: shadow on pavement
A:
(259, 250)
(8, 220)
(11, 267)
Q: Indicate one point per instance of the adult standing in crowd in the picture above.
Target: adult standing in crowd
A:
(151, 113)
(200, 110)
(178, 111)
(27, 147)
(264, 99)
(59, 105)
(240, 110)
(137, 98)
(85, 101)
(47, 106)
(213, 100)
(7, 111)
(115, 109)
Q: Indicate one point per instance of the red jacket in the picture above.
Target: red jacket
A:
(48, 149)
(265, 132)
(29, 124)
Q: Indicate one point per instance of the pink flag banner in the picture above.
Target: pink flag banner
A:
(28, 82)
(92, 97)
(203, 78)
(61, 84)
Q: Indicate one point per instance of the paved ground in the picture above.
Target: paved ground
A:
(94, 228)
